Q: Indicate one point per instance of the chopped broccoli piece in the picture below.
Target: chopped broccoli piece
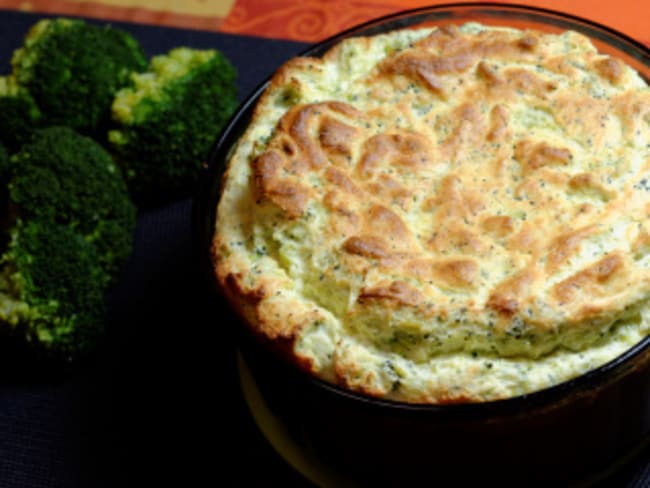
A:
(19, 115)
(73, 69)
(64, 177)
(167, 120)
(52, 289)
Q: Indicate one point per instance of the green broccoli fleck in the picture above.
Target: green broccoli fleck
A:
(73, 69)
(19, 115)
(63, 177)
(167, 120)
(52, 289)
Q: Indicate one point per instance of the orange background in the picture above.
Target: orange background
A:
(308, 20)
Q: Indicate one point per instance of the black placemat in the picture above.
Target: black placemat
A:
(161, 403)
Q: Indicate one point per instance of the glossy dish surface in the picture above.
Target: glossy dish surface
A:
(594, 273)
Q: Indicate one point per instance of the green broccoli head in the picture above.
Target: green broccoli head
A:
(73, 69)
(64, 177)
(168, 118)
(19, 115)
(52, 289)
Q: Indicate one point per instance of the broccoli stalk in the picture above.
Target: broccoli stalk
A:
(73, 69)
(167, 119)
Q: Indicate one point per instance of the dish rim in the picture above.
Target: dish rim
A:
(205, 203)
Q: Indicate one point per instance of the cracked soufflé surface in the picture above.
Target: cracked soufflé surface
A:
(444, 215)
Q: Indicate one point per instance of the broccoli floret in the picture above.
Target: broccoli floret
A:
(167, 120)
(68, 224)
(52, 289)
(63, 177)
(19, 115)
(73, 69)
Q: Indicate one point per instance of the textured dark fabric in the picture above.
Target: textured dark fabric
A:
(161, 402)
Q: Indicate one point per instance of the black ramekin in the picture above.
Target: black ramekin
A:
(561, 434)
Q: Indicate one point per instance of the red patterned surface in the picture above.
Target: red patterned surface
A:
(306, 20)
(313, 20)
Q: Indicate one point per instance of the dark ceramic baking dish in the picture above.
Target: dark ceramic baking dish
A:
(561, 434)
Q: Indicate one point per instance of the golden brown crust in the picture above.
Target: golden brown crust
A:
(534, 156)
(508, 295)
(373, 247)
(397, 292)
(590, 280)
(611, 69)
(460, 273)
